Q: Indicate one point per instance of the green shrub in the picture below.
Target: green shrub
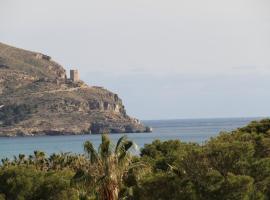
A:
(13, 114)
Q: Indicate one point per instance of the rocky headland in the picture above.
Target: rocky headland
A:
(37, 98)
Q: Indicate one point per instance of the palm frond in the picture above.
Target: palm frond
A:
(82, 176)
(105, 146)
(124, 149)
(120, 143)
(91, 151)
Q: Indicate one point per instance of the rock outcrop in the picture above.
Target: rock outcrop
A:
(37, 99)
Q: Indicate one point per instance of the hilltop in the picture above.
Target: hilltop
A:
(37, 98)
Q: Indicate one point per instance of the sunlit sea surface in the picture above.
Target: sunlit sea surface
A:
(188, 130)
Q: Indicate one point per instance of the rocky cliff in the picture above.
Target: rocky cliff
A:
(36, 98)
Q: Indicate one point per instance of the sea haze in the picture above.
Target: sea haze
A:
(188, 130)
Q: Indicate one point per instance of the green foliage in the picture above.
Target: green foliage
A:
(13, 114)
(21, 182)
(229, 156)
(261, 127)
(162, 186)
(232, 166)
(103, 176)
(163, 154)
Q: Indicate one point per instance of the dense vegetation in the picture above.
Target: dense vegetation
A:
(232, 166)
(13, 114)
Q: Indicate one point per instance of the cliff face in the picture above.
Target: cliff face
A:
(37, 99)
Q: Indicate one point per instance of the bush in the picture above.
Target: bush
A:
(13, 114)
(25, 183)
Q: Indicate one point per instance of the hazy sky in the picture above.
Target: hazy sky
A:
(165, 58)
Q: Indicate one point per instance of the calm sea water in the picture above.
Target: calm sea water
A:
(189, 130)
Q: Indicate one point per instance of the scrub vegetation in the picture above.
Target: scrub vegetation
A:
(13, 114)
(232, 166)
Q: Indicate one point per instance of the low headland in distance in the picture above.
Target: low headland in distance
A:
(187, 130)
(37, 98)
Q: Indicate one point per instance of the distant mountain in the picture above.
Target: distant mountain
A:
(36, 98)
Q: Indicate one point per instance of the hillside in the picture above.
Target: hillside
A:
(36, 98)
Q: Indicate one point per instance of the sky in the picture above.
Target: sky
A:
(168, 59)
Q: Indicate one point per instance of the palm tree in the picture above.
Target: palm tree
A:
(5, 162)
(21, 159)
(39, 159)
(54, 161)
(107, 167)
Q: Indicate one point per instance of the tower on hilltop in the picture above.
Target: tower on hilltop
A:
(74, 75)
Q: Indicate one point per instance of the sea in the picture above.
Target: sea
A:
(186, 130)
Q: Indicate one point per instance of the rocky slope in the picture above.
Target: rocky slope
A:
(36, 98)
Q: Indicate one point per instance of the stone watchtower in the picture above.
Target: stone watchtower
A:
(74, 75)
